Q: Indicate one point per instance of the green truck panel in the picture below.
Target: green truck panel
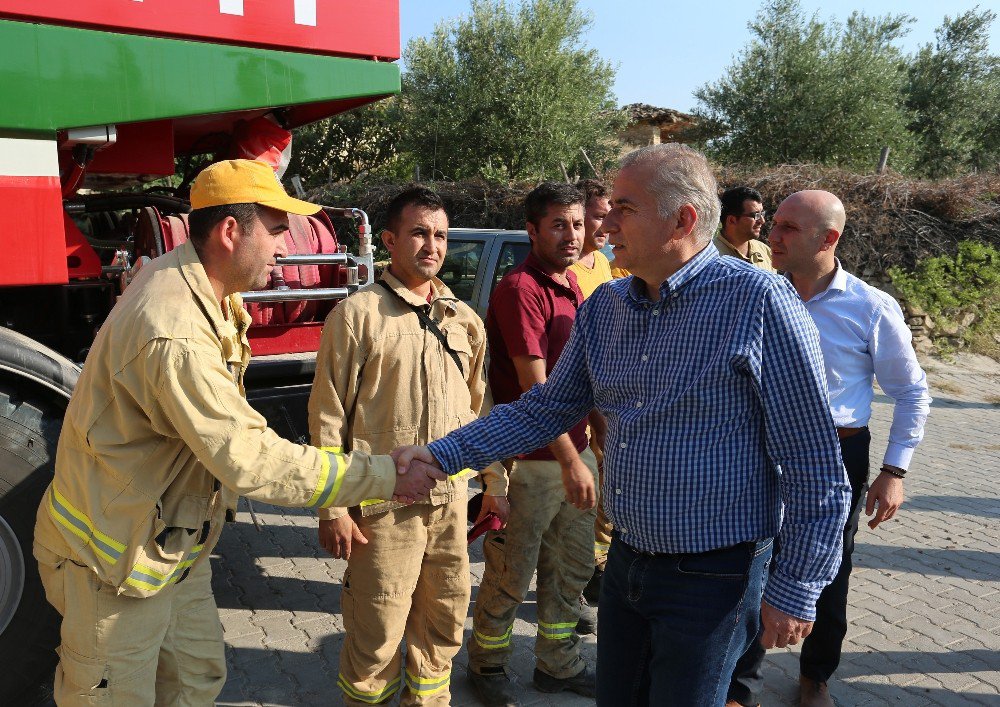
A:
(66, 77)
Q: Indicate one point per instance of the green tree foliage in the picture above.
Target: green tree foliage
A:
(811, 91)
(508, 93)
(361, 141)
(954, 93)
(950, 287)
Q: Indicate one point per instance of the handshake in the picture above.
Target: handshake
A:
(417, 472)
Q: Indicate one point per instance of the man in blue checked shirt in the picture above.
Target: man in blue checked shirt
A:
(710, 375)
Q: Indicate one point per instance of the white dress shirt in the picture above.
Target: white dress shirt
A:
(863, 334)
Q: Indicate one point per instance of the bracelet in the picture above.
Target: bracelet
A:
(898, 473)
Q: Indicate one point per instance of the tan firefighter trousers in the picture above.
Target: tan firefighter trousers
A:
(166, 649)
(602, 524)
(410, 581)
(547, 533)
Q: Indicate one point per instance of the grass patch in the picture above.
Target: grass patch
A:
(948, 387)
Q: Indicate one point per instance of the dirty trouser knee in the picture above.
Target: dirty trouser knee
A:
(547, 533)
(164, 649)
(411, 580)
(602, 524)
(192, 666)
(602, 530)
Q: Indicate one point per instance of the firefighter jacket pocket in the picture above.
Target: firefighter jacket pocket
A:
(458, 341)
(179, 535)
(86, 679)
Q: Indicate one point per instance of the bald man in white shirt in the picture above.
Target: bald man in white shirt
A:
(863, 335)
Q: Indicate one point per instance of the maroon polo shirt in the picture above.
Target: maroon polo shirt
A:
(530, 314)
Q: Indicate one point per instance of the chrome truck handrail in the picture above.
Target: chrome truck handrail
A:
(289, 295)
(364, 262)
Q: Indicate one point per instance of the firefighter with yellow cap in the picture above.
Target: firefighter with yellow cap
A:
(158, 443)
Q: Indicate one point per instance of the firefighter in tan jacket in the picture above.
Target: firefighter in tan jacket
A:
(387, 376)
(157, 444)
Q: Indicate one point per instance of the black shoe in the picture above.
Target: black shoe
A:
(583, 683)
(592, 592)
(492, 687)
(588, 619)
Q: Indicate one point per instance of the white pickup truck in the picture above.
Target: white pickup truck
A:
(477, 259)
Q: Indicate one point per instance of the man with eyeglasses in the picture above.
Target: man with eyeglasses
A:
(742, 220)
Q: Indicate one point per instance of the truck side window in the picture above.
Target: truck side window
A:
(460, 268)
(511, 255)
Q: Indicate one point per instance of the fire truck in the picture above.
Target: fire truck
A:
(105, 105)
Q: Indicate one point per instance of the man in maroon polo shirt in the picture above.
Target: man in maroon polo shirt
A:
(552, 490)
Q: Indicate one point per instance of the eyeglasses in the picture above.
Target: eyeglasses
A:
(757, 215)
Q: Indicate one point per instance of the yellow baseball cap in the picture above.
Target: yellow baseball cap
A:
(245, 182)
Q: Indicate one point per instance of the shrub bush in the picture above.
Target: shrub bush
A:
(950, 288)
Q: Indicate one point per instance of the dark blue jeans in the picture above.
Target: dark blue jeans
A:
(673, 626)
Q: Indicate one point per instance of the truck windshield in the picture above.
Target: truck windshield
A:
(460, 268)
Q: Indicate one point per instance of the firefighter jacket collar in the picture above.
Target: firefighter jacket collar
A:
(439, 291)
(189, 263)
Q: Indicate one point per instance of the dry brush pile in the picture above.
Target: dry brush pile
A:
(891, 220)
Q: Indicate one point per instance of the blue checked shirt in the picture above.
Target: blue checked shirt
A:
(718, 420)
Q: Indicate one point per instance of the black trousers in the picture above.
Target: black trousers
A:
(821, 649)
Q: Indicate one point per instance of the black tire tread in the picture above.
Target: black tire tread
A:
(29, 431)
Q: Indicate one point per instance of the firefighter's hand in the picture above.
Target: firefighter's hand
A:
(337, 536)
(404, 456)
(579, 483)
(781, 629)
(887, 492)
(414, 483)
(495, 504)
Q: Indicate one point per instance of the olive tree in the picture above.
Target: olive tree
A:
(508, 93)
(805, 90)
(953, 91)
(361, 142)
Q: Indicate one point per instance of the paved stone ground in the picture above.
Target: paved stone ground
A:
(925, 596)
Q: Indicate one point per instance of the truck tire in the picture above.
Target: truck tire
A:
(29, 626)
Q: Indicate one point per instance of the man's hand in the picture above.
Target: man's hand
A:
(404, 456)
(781, 629)
(416, 481)
(887, 491)
(598, 428)
(579, 483)
(337, 535)
(495, 504)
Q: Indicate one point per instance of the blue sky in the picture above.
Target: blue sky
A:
(665, 50)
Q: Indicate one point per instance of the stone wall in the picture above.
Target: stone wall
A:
(928, 334)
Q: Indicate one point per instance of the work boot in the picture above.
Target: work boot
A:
(492, 687)
(588, 618)
(813, 693)
(583, 683)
